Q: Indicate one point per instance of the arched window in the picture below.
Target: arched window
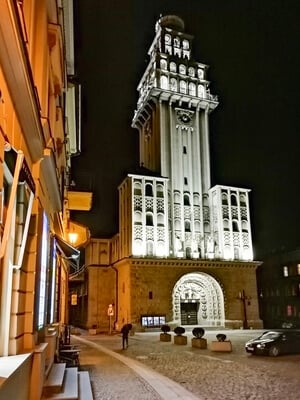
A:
(149, 190)
(185, 44)
(197, 226)
(172, 66)
(149, 219)
(137, 217)
(244, 226)
(235, 226)
(243, 200)
(163, 64)
(191, 71)
(226, 224)
(176, 42)
(187, 226)
(200, 73)
(164, 82)
(137, 188)
(173, 84)
(200, 91)
(192, 89)
(182, 87)
(159, 190)
(224, 199)
(167, 38)
(196, 200)
(149, 247)
(186, 200)
(233, 200)
(177, 197)
(160, 219)
(182, 69)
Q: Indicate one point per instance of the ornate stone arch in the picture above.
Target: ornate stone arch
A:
(203, 289)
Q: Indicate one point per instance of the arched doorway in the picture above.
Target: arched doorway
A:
(198, 300)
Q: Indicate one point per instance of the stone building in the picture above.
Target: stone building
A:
(183, 254)
(39, 133)
(279, 289)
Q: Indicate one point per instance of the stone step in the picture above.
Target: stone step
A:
(85, 388)
(69, 390)
(55, 379)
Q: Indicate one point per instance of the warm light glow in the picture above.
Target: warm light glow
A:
(73, 237)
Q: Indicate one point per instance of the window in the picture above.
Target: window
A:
(164, 82)
(185, 180)
(235, 226)
(182, 69)
(172, 66)
(159, 190)
(186, 200)
(173, 84)
(192, 89)
(187, 226)
(298, 269)
(167, 38)
(200, 91)
(149, 190)
(200, 73)
(184, 149)
(149, 219)
(163, 64)
(182, 87)
(185, 44)
(285, 271)
(191, 71)
(43, 273)
(177, 42)
(233, 200)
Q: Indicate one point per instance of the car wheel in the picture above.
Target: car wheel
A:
(274, 351)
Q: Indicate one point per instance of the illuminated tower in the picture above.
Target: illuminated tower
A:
(168, 208)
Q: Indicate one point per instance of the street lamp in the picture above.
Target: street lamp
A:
(242, 296)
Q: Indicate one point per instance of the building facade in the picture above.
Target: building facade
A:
(183, 253)
(278, 281)
(39, 133)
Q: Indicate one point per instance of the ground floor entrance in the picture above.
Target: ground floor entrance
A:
(188, 313)
(198, 300)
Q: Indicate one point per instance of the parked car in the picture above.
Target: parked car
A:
(274, 343)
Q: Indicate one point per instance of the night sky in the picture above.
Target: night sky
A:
(252, 48)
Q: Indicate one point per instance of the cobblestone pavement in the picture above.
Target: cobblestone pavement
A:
(208, 375)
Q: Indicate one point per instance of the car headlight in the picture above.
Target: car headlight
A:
(261, 346)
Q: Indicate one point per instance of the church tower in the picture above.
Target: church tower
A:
(175, 211)
(183, 253)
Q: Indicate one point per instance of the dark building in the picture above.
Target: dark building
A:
(279, 290)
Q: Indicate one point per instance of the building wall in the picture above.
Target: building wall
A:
(34, 164)
(146, 288)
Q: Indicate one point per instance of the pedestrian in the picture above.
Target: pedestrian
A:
(125, 332)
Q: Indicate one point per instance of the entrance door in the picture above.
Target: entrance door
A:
(188, 313)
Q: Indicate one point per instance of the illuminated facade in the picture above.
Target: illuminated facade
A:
(39, 133)
(183, 253)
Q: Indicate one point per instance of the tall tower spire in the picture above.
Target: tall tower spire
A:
(172, 118)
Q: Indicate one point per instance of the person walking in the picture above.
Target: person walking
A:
(125, 332)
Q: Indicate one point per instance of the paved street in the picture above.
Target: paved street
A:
(143, 371)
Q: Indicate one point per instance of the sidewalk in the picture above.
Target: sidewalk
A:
(115, 376)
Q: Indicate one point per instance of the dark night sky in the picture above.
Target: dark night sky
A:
(252, 48)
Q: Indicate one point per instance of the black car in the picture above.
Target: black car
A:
(274, 343)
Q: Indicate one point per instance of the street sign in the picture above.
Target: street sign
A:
(110, 310)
